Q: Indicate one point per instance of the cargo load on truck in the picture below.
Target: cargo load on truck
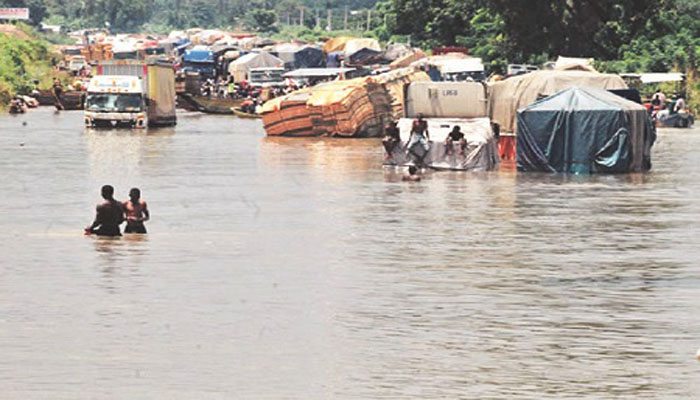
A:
(353, 108)
(508, 96)
(447, 99)
(199, 60)
(584, 130)
(240, 68)
(298, 57)
(134, 94)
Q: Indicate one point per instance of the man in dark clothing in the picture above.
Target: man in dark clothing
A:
(392, 137)
(109, 216)
(57, 91)
(455, 135)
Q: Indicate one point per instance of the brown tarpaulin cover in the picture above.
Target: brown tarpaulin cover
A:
(407, 60)
(353, 108)
(506, 97)
(336, 44)
(288, 115)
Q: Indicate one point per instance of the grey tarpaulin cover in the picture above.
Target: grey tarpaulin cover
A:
(584, 130)
(481, 153)
(302, 57)
(508, 96)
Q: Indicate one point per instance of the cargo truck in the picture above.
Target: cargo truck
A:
(131, 94)
(200, 61)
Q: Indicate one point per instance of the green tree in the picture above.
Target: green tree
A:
(431, 22)
(264, 19)
(594, 28)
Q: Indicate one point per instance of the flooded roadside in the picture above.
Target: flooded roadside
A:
(286, 268)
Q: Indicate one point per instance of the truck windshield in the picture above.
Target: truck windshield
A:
(109, 102)
(126, 55)
(266, 76)
(154, 51)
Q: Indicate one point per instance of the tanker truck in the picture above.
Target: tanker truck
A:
(132, 95)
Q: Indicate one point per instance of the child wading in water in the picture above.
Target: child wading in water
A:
(136, 213)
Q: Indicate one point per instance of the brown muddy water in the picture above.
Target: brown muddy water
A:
(301, 269)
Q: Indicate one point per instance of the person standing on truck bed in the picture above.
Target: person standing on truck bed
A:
(419, 142)
(457, 136)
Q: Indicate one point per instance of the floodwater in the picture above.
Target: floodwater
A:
(301, 269)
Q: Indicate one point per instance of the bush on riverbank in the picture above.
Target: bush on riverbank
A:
(22, 61)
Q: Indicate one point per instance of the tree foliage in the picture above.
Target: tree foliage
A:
(633, 35)
(22, 61)
(132, 15)
(264, 19)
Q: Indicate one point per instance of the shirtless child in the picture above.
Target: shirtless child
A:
(136, 213)
(412, 175)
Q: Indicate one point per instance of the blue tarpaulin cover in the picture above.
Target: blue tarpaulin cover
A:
(206, 56)
(584, 130)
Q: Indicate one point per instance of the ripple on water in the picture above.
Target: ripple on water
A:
(280, 268)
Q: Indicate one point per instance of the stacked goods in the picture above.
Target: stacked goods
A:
(354, 108)
(349, 108)
(99, 51)
(408, 59)
(288, 115)
(395, 83)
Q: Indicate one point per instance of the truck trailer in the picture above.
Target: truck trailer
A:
(131, 94)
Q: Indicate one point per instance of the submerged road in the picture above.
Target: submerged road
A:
(301, 269)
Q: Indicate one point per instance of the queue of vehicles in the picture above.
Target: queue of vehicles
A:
(122, 71)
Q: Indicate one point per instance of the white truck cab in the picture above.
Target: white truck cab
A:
(115, 101)
(77, 63)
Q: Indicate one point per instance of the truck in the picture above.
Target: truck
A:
(76, 64)
(131, 94)
(200, 61)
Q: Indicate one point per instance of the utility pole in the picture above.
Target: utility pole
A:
(346, 18)
(369, 18)
(330, 20)
(301, 17)
(318, 19)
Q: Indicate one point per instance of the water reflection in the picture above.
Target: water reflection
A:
(277, 253)
(118, 155)
(322, 154)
